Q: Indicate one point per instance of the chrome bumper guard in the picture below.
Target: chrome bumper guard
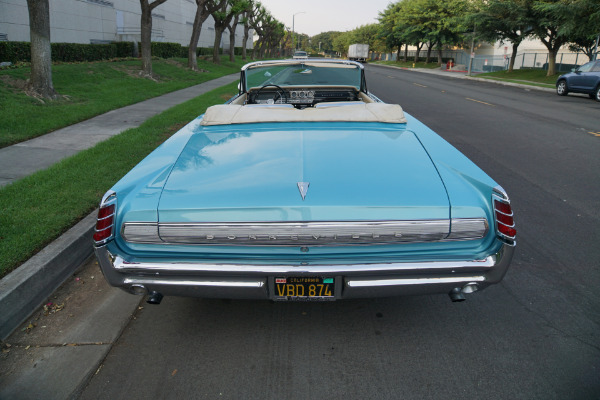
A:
(255, 281)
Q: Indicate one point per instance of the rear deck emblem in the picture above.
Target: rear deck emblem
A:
(303, 187)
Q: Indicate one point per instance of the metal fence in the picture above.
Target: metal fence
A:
(489, 63)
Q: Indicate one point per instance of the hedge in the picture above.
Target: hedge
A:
(69, 52)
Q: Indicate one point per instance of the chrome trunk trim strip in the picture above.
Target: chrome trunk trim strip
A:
(468, 228)
(305, 233)
(345, 233)
(140, 232)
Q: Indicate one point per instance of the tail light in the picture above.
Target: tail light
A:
(106, 219)
(505, 223)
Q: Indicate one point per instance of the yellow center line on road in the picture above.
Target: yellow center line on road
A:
(418, 84)
(391, 77)
(597, 134)
(482, 102)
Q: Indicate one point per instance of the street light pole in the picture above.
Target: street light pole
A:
(293, 31)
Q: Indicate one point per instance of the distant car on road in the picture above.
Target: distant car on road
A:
(300, 55)
(584, 79)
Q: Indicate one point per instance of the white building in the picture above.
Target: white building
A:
(105, 21)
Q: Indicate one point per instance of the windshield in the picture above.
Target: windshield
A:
(304, 74)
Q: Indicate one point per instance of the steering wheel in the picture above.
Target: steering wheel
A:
(280, 92)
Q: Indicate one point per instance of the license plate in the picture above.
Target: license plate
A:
(304, 288)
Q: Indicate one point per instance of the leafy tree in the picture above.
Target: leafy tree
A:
(547, 28)
(503, 20)
(146, 34)
(367, 34)
(579, 23)
(40, 82)
(410, 17)
(270, 32)
(225, 11)
(389, 31)
(342, 42)
(326, 41)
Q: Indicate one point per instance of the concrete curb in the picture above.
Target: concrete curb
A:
(26, 288)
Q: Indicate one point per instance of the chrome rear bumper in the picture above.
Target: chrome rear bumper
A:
(255, 281)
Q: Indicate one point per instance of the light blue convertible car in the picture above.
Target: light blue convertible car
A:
(303, 187)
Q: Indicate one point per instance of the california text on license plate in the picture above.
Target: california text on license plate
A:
(304, 288)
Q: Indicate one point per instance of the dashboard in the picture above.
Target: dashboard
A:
(300, 97)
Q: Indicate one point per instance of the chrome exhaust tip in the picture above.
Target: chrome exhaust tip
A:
(138, 289)
(470, 288)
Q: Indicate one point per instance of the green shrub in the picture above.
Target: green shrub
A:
(76, 52)
(204, 51)
(69, 52)
(124, 49)
(168, 50)
(15, 51)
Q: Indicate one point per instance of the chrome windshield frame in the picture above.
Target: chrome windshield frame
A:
(242, 87)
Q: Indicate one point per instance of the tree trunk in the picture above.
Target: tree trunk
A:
(263, 48)
(41, 57)
(256, 47)
(429, 46)
(511, 65)
(439, 55)
(246, 35)
(199, 19)
(406, 52)
(217, 46)
(553, 43)
(146, 34)
(232, 30)
(552, 61)
(419, 46)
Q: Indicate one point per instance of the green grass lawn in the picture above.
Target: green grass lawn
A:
(91, 89)
(409, 64)
(39, 208)
(535, 77)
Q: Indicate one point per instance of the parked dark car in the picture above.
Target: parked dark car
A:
(584, 79)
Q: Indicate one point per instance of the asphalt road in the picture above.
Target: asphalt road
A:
(534, 336)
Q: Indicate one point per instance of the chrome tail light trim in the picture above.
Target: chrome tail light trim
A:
(109, 198)
(500, 195)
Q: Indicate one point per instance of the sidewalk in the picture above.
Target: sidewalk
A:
(25, 158)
